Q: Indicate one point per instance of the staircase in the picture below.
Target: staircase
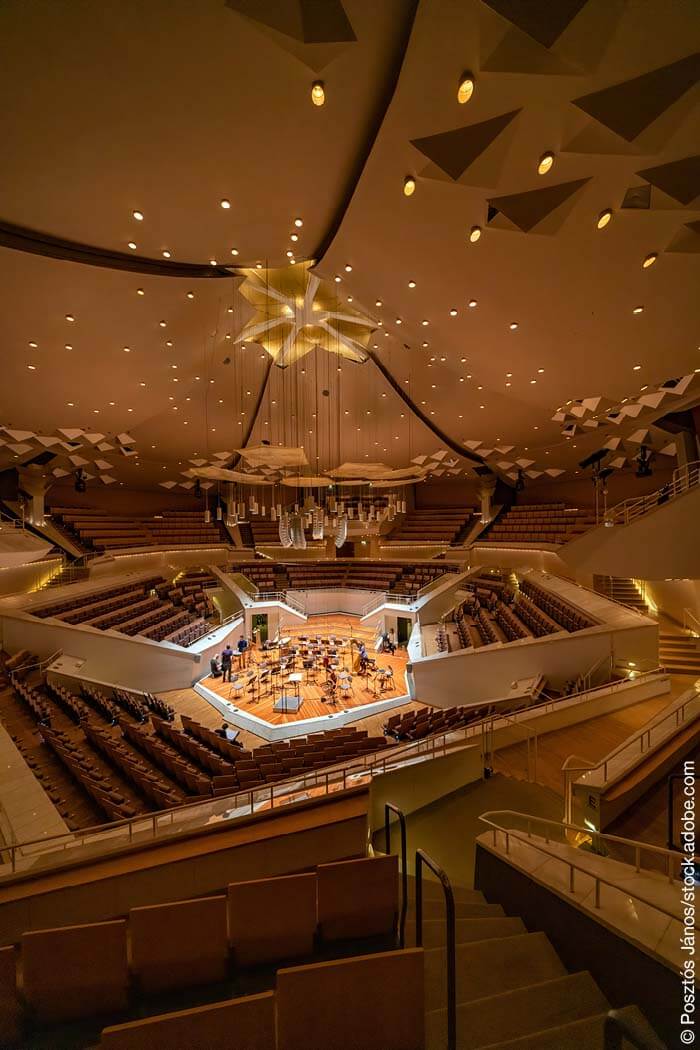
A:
(513, 992)
(621, 590)
(680, 654)
(282, 581)
(69, 574)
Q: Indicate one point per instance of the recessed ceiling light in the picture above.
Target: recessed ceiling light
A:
(545, 163)
(604, 218)
(318, 93)
(70, 404)
(32, 368)
(474, 234)
(513, 325)
(472, 303)
(168, 342)
(532, 382)
(190, 295)
(637, 309)
(650, 260)
(636, 368)
(234, 251)
(294, 237)
(132, 246)
(348, 268)
(126, 349)
(379, 302)
(212, 262)
(299, 222)
(34, 345)
(453, 312)
(425, 322)
(540, 370)
(138, 215)
(398, 320)
(409, 186)
(68, 346)
(465, 88)
(337, 278)
(289, 254)
(70, 318)
(140, 291)
(411, 284)
(166, 254)
(509, 375)
(162, 324)
(225, 204)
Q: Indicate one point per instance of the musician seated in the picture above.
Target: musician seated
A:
(331, 683)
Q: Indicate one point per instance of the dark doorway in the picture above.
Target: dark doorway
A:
(403, 629)
(259, 624)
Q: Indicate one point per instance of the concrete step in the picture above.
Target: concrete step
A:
(433, 891)
(490, 967)
(463, 910)
(467, 930)
(511, 1015)
(586, 1034)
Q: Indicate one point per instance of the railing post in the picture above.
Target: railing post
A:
(450, 937)
(389, 807)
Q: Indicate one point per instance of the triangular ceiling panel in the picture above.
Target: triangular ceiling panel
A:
(630, 107)
(542, 20)
(680, 179)
(527, 209)
(454, 151)
(687, 240)
(518, 53)
(308, 21)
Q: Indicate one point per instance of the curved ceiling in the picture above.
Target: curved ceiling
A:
(169, 110)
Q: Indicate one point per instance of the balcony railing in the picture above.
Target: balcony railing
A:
(684, 478)
(279, 596)
(386, 598)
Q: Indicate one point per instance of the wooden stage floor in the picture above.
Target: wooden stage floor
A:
(365, 689)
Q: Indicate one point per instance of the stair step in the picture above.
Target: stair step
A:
(586, 1034)
(488, 967)
(463, 910)
(433, 891)
(518, 1013)
(467, 930)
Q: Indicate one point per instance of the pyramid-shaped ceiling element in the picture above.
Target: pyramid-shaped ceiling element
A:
(525, 210)
(543, 20)
(680, 179)
(308, 21)
(630, 107)
(687, 240)
(454, 151)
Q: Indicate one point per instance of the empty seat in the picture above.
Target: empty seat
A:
(272, 918)
(174, 945)
(343, 912)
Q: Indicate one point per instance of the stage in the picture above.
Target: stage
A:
(253, 700)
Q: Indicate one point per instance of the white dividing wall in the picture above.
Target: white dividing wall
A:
(341, 600)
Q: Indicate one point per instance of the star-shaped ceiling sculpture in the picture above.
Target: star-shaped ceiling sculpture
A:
(295, 312)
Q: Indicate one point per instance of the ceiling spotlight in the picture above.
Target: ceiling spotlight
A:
(337, 278)
(162, 323)
(348, 268)
(409, 186)
(70, 318)
(637, 309)
(636, 368)
(34, 345)
(513, 325)
(132, 246)
(138, 215)
(294, 237)
(212, 262)
(465, 89)
(234, 251)
(474, 234)
(190, 295)
(140, 291)
(298, 222)
(650, 260)
(225, 204)
(472, 303)
(318, 94)
(378, 302)
(289, 254)
(166, 254)
(453, 313)
(604, 218)
(411, 284)
(545, 163)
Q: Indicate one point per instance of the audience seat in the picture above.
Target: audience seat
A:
(180, 944)
(343, 912)
(272, 918)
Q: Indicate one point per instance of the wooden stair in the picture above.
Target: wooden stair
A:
(680, 654)
(620, 590)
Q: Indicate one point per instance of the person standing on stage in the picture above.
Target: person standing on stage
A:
(227, 662)
(243, 650)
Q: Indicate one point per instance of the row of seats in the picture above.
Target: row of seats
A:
(100, 786)
(85, 599)
(566, 615)
(74, 972)
(101, 531)
(431, 525)
(186, 774)
(415, 725)
(539, 523)
(161, 792)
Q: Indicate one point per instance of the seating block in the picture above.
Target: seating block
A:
(375, 1002)
(173, 945)
(234, 1024)
(357, 898)
(272, 918)
(75, 971)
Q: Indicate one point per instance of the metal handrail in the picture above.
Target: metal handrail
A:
(564, 827)
(617, 1027)
(450, 936)
(389, 807)
(678, 714)
(688, 614)
(278, 596)
(683, 479)
(37, 664)
(386, 597)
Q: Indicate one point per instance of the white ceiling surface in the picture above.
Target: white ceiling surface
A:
(168, 109)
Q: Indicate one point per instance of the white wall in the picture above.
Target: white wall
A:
(345, 600)
(494, 556)
(19, 579)
(474, 675)
(674, 596)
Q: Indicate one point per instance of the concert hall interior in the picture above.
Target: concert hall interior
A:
(349, 490)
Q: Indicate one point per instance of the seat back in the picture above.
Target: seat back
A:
(357, 898)
(180, 944)
(272, 918)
